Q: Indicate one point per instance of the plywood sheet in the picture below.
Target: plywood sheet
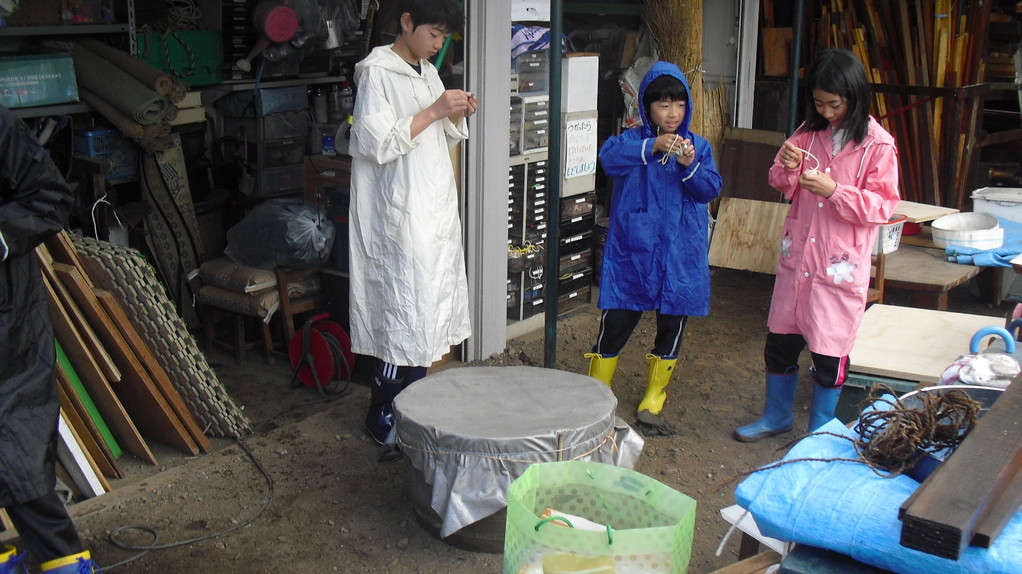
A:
(921, 212)
(148, 408)
(746, 157)
(747, 234)
(913, 344)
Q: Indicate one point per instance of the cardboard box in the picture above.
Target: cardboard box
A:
(37, 79)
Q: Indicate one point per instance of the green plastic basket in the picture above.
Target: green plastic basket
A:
(649, 526)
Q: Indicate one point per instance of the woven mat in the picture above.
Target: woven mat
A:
(128, 274)
(172, 228)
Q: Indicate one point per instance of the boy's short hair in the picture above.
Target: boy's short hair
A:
(665, 87)
(447, 14)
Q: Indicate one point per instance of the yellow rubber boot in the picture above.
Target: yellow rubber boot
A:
(602, 368)
(660, 371)
(11, 562)
(73, 564)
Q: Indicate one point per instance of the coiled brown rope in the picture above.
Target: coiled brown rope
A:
(894, 439)
(891, 441)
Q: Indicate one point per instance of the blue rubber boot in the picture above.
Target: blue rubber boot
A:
(777, 416)
(80, 563)
(11, 562)
(824, 404)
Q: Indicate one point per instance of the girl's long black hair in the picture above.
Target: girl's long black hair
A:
(839, 72)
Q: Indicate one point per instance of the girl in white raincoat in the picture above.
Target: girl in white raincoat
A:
(840, 171)
(409, 291)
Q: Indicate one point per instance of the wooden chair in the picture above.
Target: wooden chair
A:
(285, 300)
(292, 306)
(875, 293)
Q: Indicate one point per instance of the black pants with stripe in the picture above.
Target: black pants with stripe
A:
(617, 325)
(781, 356)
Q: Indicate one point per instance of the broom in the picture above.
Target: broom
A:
(676, 27)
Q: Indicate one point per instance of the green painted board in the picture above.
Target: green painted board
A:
(90, 407)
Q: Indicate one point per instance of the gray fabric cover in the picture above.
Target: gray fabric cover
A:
(471, 431)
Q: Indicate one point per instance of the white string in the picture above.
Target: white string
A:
(812, 157)
(670, 151)
(92, 213)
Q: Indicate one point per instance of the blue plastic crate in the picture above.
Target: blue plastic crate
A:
(111, 145)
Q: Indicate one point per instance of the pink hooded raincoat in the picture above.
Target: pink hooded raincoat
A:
(824, 267)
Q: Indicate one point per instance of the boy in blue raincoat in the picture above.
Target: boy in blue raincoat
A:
(656, 254)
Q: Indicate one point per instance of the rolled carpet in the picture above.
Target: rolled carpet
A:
(117, 87)
(161, 82)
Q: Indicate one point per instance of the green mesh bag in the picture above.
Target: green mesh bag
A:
(629, 522)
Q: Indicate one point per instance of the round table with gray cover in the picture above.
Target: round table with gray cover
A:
(467, 433)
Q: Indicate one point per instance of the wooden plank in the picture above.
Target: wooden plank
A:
(758, 564)
(157, 373)
(940, 517)
(998, 515)
(747, 234)
(96, 383)
(76, 462)
(62, 249)
(80, 395)
(913, 344)
(923, 212)
(137, 392)
(776, 51)
(87, 432)
(85, 331)
(747, 155)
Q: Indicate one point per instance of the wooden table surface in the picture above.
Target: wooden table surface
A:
(927, 273)
(913, 344)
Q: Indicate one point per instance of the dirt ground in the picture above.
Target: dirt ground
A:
(305, 492)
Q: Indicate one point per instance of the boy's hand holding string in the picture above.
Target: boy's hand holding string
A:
(674, 145)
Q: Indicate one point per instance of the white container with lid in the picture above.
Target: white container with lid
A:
(1003, 202)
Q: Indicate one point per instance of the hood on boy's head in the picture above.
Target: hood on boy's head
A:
(661, 68)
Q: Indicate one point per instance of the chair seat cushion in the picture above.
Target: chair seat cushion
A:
(260, 304)
(226, 274)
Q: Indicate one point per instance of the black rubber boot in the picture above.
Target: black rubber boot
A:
(380, 418)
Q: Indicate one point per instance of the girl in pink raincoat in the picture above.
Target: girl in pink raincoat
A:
(840, 172)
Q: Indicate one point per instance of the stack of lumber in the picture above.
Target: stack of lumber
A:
(975, 492)
(925, 59)
(116, 393)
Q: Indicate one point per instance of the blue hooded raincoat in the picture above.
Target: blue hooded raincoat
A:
(656, 254)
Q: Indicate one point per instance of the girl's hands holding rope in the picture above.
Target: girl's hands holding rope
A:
(812, 179)
(817, 182)
(790, 156)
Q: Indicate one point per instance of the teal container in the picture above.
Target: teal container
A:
(195, 57)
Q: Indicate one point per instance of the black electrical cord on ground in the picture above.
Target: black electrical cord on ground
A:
(154, 545)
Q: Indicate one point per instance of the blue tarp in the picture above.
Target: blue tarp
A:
(998, 257)
(846, 507)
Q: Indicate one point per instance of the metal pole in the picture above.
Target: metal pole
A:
(553, 236)
(796, 58)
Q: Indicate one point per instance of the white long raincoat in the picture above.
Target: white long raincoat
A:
(409, 291)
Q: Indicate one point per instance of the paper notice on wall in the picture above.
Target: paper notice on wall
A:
(530, 11)
(579, 147)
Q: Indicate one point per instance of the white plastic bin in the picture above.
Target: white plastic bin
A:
(1005, 202)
